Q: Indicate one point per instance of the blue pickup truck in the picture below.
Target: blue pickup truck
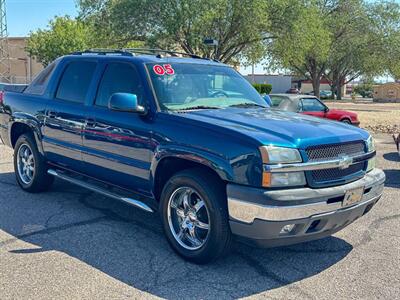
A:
(190, 138)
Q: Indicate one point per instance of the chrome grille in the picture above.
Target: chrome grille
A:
(326, 152)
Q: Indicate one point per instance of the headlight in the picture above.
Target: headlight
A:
(370, 144)
(279, 155)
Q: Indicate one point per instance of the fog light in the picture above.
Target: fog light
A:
(288, 179)
(287, 228)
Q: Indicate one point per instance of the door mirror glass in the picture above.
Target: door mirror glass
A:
(125, 102)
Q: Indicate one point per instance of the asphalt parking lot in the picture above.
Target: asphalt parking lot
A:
(69, 243)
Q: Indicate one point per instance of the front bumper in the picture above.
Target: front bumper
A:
(258, 215)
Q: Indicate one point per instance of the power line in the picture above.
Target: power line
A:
(4, 49)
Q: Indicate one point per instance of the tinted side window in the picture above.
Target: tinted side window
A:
(311, 104)
(119, 78)
(75, 81)
(39, 84)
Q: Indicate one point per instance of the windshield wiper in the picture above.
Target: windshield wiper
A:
(248, 104)
(198, 107)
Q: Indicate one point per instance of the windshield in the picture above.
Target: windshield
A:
(183, 86)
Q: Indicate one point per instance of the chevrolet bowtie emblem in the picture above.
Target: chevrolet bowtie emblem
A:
(345, 162)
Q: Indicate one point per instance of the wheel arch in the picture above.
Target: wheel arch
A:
(23, 124)
(168, 165)
(345, 118)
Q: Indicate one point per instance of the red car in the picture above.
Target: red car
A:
(310, 105)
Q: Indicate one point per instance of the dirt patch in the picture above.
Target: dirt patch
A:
(375, 117)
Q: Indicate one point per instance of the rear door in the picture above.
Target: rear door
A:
(65, 114)
(117, 145)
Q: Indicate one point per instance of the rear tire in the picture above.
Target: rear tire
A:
(29, 166)
(196, 228)
(346, 121)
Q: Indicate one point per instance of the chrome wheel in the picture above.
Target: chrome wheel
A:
(25, 164)
(188, 218)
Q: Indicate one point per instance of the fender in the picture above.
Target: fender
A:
(218, 164)
(32, 122)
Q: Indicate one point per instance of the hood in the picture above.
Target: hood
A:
(279, 128)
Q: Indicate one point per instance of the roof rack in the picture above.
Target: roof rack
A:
(135, 51)
(160, 52)
(101, 51)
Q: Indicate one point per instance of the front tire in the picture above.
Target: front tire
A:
(29, 166)
(195, 216)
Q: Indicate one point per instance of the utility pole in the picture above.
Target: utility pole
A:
(4, 50)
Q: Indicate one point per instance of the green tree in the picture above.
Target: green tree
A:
(365, 88)
(386, 16)
(353, 48)
(241, 27)
(363, 34)
(340, 40)
(63, 35)
(304, 47)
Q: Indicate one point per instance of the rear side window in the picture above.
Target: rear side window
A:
(39, 84)
(119, 78)
(288, 104)
(276, 100)
(75, 81)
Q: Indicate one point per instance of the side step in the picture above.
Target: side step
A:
(99, 190)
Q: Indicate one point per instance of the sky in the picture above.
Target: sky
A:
(24, 16)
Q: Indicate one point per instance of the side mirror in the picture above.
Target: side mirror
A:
(326, 109)
(125, 102)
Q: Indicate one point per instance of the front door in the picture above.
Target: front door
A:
(65, 115)
(117, 145)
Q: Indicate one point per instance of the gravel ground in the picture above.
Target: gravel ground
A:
(69, 243)
(375, 117)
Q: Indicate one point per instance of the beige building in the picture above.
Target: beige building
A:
(22, 67)
(388, 92)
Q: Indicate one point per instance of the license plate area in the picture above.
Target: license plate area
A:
(353, 196)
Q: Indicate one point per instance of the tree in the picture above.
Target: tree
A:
(386, 16)
(304, 47)
(340, 40)
(241, 27)
(361, 40)
(365, 88)
(351, 53)
(64, 35)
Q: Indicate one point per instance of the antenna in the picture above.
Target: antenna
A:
(4, 50)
